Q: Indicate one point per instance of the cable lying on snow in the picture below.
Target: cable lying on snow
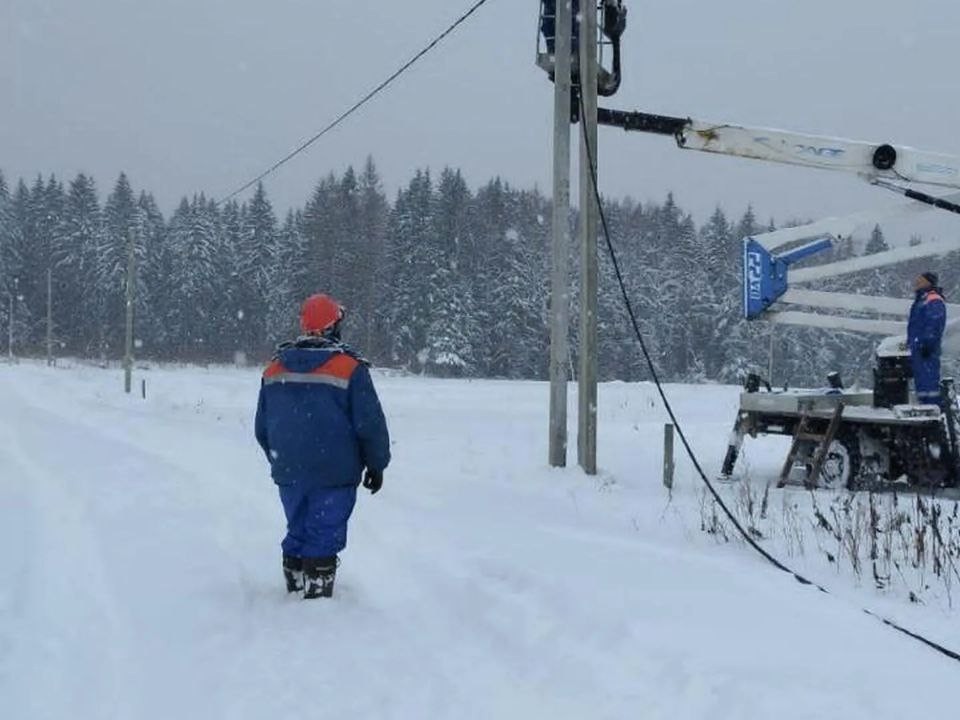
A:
(953, 655)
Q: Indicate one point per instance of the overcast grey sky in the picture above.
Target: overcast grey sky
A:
(189, 95)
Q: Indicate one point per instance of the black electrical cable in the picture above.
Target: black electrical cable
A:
(356, 106)
(655, 375)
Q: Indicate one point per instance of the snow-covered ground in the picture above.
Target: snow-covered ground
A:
(139, 570)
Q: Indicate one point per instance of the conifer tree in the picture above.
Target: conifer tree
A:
(367, 320)
(271, 292)
(877, 242)
(121, 220)
(410, 260)
(75, 270)
(195, 243)
(9, 250)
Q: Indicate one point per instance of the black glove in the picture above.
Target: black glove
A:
(373, 480)
(925, 351)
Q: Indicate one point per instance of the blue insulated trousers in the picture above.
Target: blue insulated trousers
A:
(316, 519)
(926, 378)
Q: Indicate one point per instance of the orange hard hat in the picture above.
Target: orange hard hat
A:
(319, 313)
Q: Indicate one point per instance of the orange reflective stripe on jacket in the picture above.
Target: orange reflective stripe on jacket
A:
(336, 372)
(275, 368)
(339, 366)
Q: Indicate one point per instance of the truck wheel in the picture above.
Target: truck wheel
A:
(841, 467)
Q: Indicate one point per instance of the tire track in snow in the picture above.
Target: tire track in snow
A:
(142, 530)
(17, 538)
(65, 603)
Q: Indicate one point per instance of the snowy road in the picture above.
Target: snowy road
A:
(139, 571)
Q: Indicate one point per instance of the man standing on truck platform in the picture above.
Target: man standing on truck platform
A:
(928, 316)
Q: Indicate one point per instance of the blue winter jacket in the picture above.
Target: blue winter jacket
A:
(319, 420)
(928, 317)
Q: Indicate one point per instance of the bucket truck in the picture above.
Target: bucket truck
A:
(843, 438)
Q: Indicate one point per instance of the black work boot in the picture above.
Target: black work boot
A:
(318, 577)
(293, 573)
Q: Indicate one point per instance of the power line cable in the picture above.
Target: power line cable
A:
(654, 373)
(359, 104)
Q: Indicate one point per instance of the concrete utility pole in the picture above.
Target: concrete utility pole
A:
(128, 339)
(49, 316)
(560, 275)
(589, 212)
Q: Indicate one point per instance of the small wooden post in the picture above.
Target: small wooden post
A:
(770, 358)
(668, 456)
(143, 388)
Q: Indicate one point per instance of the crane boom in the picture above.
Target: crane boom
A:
(845, 226)
(870, 160)
(878, 260)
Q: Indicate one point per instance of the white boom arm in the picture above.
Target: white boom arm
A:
(874, 162)
(846, 225)
(871, 160)
(877, 260)
(838, 322)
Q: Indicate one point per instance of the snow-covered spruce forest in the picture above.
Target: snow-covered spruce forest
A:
(443, 279)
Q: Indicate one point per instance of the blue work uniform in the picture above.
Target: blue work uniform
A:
(320, 423)
(928, 317)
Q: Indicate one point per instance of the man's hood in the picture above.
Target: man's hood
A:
(305, 359)
(920, 294)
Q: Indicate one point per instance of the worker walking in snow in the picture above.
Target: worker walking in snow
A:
(928, 317)
(321, 426)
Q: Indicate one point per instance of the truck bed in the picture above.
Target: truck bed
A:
(858, 408)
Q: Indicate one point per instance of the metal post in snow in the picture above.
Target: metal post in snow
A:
(587, 386)
(560, 264)
(770, 359)
(668, 456)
